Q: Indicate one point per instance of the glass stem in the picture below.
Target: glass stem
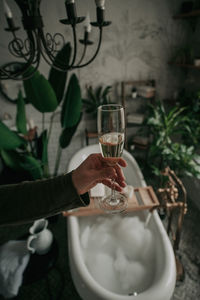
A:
(113, 198)
(113, 190)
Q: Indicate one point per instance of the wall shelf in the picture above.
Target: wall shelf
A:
(192, 14)
(125, 90)
(190, 66)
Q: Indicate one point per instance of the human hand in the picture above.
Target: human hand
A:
(96, 169)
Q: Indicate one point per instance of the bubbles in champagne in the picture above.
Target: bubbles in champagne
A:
(112, 144)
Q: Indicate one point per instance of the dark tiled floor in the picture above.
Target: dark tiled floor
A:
(59, 285)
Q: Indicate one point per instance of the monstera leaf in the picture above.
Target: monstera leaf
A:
(9, 139)
(21, 114)
(57, 78)
(72, 104)
(40, 93)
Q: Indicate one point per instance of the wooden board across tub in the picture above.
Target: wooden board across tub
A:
(143, 198)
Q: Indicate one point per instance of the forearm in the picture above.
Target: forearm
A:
(25, 202)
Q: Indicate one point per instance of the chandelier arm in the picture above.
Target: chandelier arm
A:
(53, 47)
(49, 41)
(50, 62)
(33, 59)
(17, 45)
(97, 51)
(47, 61)
(44, 47)
(59, 67)
(75, 47)
(49, 54)
(83, 55)
(14, 76)
(43, 44)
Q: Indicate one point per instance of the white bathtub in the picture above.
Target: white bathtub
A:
(163, 272)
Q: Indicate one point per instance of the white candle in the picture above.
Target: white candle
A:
(7, 10)
(100, 3)
(87, 25)
(31, 124)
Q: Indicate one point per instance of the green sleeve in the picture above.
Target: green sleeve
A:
(30, 200)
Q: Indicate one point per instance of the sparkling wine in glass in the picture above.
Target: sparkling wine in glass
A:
(111, 127)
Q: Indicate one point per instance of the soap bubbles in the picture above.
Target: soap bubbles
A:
(118, 252)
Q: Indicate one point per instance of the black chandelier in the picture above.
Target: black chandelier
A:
(38, 44)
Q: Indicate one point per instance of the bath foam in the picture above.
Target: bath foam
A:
(118, 252)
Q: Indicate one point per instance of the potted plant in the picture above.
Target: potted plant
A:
(96, 97)
(25, 150)
(166, 147)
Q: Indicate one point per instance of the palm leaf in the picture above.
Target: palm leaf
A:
(91, 95)
(106, 91)
(98, 94)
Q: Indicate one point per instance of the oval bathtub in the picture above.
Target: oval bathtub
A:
(159, 281)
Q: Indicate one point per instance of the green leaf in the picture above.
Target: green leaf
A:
(21, 114)
(87, 102)
(11, 158)
(72, 104)
(9, 139)
(98, 94)
(106, 91)
(41, 147)
(91, 94)
(40, 93)
(67, 134)
(32, 165)
(58, 79)
(18, 161)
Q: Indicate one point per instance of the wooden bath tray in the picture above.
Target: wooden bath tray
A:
(143, 198)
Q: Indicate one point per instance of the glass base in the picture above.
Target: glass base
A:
(117, 205)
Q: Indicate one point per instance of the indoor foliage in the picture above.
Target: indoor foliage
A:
(95, 98)
(27, 150)
(167, 147)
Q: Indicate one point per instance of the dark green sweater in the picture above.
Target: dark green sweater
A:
(30, 200)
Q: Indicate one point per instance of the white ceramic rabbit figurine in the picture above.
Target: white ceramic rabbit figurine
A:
(41, 238)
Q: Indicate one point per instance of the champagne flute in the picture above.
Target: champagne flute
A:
(111, 128)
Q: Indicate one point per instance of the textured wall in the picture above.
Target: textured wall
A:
(138, 45)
